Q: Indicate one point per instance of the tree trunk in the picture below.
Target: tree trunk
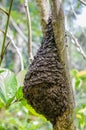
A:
(66, 121)
(47, 84)
(44, 13)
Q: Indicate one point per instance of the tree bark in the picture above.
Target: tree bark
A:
(44, 10)
(66, 121)
(47, 84)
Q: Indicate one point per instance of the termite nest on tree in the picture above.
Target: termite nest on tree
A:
(45, 84)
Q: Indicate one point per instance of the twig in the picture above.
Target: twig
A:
(20, 56)
(1, 9)
(75, 14)
(29, 30)
(7, 45)
(11, 40)
(7, 24)
(2, 31)
(83, 2)
(17, 28)
(76, 43)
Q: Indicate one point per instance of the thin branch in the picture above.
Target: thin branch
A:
(20, 56)
(83, 2)
(11, 41)
(45, 12)
(76, 43)
(29, 30)
(2, 31)
(76, 16)
(17, 28)
(6, 46)
(1, 9)
(7, 24)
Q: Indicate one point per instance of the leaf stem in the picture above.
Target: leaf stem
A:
(29, 30)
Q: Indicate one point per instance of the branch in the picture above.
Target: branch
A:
(76, 43)
(1, 9)
(29, 30)
(17, 50)
(45, 12)
(2, 31)
(17, 28)
(7, 24)
(11, 40)
(75, 14)
(83, 2)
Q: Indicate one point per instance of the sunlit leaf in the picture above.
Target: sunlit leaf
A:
(10, 85)
(2, 96)
(20, 77)
(19, 94)
(81, 73)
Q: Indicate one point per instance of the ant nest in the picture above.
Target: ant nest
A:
(45, 84)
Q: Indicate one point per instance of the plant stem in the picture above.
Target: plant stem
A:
(7, 24)
(29, 30)
(4, 11)
(44, 13)
(66, 120)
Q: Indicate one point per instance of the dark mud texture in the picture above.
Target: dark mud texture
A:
(45, 83)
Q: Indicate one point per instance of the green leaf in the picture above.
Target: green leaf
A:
(1, 104)
(19, 94)
(78, 83)
(33, 112)
(9, 101)
(24, 102)
(2, 96)
(10, 82)
(74, 73)
(20, 77)
(1, 71)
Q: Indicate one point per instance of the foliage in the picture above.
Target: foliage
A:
(79, 83)
(15, 113)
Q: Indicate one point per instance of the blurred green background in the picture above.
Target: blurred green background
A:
(15, 113)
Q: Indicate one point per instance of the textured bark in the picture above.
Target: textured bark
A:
(47, 84)
(45, 87)
(44, 10)
(66, 121)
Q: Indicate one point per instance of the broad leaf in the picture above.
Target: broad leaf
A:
(10, 85)
(19, 94)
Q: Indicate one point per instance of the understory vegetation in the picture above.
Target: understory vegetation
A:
(15, 113)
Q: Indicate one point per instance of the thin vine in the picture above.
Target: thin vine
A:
(5, 34)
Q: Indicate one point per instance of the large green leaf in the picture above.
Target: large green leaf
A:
(8, 86)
